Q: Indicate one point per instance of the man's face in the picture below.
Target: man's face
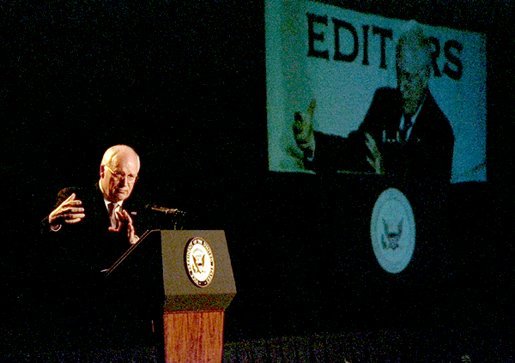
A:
(412, 78)
(118, 177)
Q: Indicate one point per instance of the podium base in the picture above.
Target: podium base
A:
(193, 336)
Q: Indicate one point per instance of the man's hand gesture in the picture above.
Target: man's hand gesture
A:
(303, 130)
(375, 159)
(68, 212)
(125, 225)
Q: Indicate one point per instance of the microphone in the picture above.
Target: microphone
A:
(165, 210)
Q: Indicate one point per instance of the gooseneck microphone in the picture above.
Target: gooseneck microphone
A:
(165, 210)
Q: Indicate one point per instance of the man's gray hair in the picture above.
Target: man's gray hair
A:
(115, 150)
(414, 38)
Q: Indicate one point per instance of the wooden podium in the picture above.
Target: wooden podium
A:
(190, 271)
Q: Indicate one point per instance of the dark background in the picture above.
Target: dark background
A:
(184, 83)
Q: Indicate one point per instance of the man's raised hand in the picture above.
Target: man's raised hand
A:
(376, 158)
(303, 131)
(126, 225)
(68, 212)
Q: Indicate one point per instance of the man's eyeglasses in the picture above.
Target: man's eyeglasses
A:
(119, 176)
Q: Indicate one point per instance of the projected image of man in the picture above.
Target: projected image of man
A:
(404, 133)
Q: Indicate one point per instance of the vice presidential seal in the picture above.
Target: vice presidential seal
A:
(392, 230)
(200, 262)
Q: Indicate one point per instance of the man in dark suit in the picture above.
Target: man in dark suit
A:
(86, 232)
(93, 222)
(404, 133)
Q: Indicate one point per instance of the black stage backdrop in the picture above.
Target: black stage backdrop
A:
(184, 83)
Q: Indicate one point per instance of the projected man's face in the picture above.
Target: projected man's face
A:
(413, 72)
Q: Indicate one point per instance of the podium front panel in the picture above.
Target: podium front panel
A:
(182, 292)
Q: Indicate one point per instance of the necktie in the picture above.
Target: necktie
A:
(404, 130)
(112, 214)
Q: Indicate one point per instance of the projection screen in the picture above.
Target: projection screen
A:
(336, 59)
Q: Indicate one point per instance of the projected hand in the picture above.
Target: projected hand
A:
(376, 158)
(303, 129)
(69, 212)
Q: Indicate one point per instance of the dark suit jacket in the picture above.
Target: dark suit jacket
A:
(87, 247)
(84, 298)
(426, 155)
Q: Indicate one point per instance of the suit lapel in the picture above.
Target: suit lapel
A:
(422, 129)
